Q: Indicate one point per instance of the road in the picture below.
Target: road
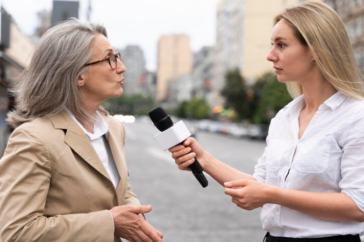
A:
(182, 210)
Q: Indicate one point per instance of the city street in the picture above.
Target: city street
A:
(182, 209)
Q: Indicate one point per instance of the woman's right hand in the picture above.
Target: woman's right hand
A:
(184, 155)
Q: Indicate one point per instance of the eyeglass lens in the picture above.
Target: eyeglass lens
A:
(113, 60)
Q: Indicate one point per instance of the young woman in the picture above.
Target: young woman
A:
(309, 180)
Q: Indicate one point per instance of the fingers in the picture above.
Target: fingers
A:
(188, 141)
(236, 183)
(234, 192)
(176, 148)
(181, 152)
(185, 165)
(159, 234)
(148, 233)
(182, 159)
(140, 209)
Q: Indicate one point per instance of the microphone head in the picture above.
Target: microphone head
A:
(160, 119)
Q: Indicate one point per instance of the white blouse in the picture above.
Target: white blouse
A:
(99, 140)
(328, 158)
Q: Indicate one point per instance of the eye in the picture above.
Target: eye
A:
(281, 45)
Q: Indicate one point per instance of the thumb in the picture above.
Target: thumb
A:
(236, 183)
(141, 209)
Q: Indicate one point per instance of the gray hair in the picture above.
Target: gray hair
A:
(49, 84)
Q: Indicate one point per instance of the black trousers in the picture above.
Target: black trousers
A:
(340, 238)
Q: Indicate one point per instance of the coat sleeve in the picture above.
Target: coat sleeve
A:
(25, 175)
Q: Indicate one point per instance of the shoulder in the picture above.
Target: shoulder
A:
(284, 113)
(40, 130)
(113, 121)
(352, 111)
(115, 125)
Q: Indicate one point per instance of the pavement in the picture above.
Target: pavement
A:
(182, 209)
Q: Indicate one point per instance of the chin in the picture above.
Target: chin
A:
(119, 92)
(281, 79)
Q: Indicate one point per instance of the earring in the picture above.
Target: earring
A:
(313, 61)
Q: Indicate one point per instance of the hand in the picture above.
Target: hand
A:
(184, 155)
(247, 194)
(131, 225)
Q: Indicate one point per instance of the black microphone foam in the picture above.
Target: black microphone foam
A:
(160, 119)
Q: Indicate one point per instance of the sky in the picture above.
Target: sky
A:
(134, 22)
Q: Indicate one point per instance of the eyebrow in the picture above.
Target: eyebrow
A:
(279, 39)
(108, 50)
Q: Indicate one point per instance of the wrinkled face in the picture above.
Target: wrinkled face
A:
(292, 61)
(101, 81)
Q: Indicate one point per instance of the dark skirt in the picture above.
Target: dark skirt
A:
(339, 238)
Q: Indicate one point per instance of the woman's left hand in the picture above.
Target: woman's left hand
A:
(247, 194)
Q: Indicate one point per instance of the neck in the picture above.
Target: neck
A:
(88, 127)
(317, 92)
(91, 110)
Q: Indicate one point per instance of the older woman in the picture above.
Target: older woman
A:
(63, 176)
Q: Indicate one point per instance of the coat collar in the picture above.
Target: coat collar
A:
(78, 141)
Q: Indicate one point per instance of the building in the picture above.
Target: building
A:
(147, 84)
(44, 22)
(174, 59)
(15, 54)
(135, 75)
(243, 33)
(203, 73)
(352, 14)
(179, 90)
(64, 9)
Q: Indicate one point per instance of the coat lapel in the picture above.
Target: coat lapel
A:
(117, 149)
(78, 141)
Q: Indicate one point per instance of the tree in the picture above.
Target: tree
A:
(272, 96)
(134, 104)
(236, 95)
(196, 108)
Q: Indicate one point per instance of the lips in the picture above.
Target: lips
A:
(277, 68)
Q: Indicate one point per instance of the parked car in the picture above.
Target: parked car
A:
(238, 130)
(258, 131)
(203, 124)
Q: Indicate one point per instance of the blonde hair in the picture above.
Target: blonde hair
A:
(320, 28)
(49, 84)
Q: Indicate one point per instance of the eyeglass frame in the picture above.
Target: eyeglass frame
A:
(117, 56)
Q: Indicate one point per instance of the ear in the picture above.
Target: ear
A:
(81, 80)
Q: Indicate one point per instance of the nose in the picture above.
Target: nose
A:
(272, 56)
(120, 68)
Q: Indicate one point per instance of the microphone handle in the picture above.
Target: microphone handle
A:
(197, 171)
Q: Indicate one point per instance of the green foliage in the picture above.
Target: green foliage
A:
(271, 95)
(235, 93)
(180, 110)
(196, 108)
(135, 104)
(257, 103)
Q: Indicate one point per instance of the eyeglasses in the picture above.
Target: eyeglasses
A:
(113, 61)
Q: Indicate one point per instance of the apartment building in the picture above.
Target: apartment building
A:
(174, 59)
(243, 39)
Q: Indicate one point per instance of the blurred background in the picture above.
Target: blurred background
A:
(204, 62)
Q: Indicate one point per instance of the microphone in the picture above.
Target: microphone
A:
(173, 135)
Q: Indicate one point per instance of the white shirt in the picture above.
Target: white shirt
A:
(101, 146)
(329, 158)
